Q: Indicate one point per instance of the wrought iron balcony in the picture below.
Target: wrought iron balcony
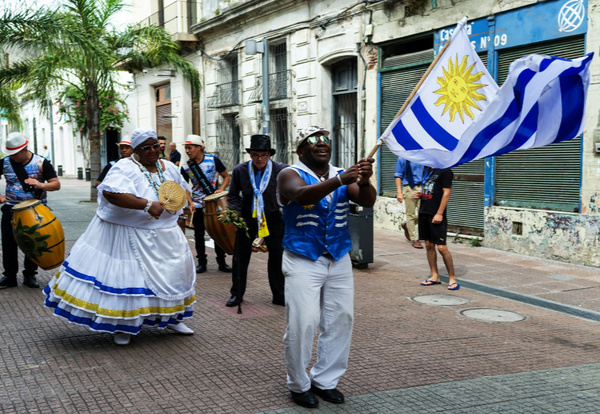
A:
(176, 17)
(226, 94)
(279, 86)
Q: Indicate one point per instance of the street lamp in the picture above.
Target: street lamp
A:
(251, 48)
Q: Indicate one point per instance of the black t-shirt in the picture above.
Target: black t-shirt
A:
(435, 180)
(102, 175)
(175, 157)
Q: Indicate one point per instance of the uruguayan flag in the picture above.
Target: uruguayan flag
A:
(459, 114)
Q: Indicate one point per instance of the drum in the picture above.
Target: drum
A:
(223, 234)
(38, 234)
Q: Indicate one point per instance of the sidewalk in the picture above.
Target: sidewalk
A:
(415, 349)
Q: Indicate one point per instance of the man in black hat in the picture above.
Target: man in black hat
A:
(252, 194)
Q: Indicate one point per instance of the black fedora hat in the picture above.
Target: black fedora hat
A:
(260, 142)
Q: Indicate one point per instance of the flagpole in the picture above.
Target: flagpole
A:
(414, 91)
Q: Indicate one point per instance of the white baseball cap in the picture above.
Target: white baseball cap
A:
(307, 132)
(125, 140)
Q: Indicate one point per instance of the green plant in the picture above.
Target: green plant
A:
(475, 242)
(72, 105)
(232, 217)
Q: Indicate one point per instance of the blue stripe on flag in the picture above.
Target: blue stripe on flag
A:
(429, 124)
(572, 106)
(403, 137)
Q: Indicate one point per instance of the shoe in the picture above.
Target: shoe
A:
(225, 268)
(429, 282)
(180, 328)
(278, 302)
(453, 286)
(332, 395)
(31, 281)
(8, 282)
(417, 244)
(305, 399)
(233, 301)
(122, 338)
(201, 269)
(406, 234)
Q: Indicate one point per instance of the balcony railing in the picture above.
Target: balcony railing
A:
(226, 94)
(279, 86)
(176, 17)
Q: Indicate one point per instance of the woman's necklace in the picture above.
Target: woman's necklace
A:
(149, 177)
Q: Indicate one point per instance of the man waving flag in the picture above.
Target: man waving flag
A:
(458, 114)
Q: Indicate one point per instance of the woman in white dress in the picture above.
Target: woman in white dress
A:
(133, 265)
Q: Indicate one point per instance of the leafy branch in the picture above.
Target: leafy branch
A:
(231, 216)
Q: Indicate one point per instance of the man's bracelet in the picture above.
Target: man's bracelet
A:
(148, 205)
(340, 180)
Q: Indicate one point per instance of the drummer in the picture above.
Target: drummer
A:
(28, 176)
(203, 170)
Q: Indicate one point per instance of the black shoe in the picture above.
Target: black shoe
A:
(7, 282)
(225, 268)
(279, 302)
(30, 281)
(201, 269)
(233, 302)
(332, 395)
(305, 399)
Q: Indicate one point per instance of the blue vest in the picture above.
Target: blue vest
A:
(316, 229)
(14, 189)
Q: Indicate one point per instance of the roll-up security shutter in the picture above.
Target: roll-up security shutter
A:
(396, 86)
(547, 177)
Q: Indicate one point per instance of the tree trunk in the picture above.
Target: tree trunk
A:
(93, 127)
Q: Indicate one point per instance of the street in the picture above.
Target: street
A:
(520, 336)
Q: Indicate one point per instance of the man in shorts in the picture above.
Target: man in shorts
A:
(433, 223)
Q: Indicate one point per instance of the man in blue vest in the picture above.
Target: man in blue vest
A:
(28, 176)
(319, 286)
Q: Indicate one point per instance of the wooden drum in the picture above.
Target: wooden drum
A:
(38, 234)
(223, 234)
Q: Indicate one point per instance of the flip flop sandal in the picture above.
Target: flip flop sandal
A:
(429, 282)
(453, 286)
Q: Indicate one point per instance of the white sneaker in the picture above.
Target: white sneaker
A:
(180, 328)
(122, 338)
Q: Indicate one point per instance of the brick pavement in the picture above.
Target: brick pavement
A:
(406, 357)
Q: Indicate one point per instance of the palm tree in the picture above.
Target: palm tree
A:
(75, 46)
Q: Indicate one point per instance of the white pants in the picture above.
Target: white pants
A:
(319, 294)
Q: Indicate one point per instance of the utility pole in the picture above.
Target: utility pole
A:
(251, 48)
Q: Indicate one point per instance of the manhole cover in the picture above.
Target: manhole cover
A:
(492, 315)
(440, 300)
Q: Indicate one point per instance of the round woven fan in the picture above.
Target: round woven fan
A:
(173, 195)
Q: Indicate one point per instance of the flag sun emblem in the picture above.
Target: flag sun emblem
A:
(459, 89)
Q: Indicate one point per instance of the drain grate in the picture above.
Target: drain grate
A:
(440, 300)
(493, 315)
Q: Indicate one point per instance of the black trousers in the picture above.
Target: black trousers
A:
(243, 251)
(10, 250)
(198, 222)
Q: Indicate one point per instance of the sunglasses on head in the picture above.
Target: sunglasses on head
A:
(146, 148)
(313, 139)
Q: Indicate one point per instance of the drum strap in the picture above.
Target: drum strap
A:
(207, 187)
(22, 175)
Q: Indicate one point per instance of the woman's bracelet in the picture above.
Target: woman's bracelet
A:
(340, 180)
(148, 205)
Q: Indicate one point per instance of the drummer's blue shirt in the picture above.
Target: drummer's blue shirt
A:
(38, 167)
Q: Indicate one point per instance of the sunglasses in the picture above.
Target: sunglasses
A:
(146, 148)
(312, 140)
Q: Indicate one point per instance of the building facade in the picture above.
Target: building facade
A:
(350, 67)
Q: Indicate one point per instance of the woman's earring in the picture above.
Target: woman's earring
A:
(136, 156)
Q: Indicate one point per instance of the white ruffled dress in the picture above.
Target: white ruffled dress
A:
(127, 271)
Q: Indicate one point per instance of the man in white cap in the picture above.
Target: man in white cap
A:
(203, 170)
(28, 176)
(125, 149)
(319, 286)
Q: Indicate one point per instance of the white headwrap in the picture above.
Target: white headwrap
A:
(140, 135)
